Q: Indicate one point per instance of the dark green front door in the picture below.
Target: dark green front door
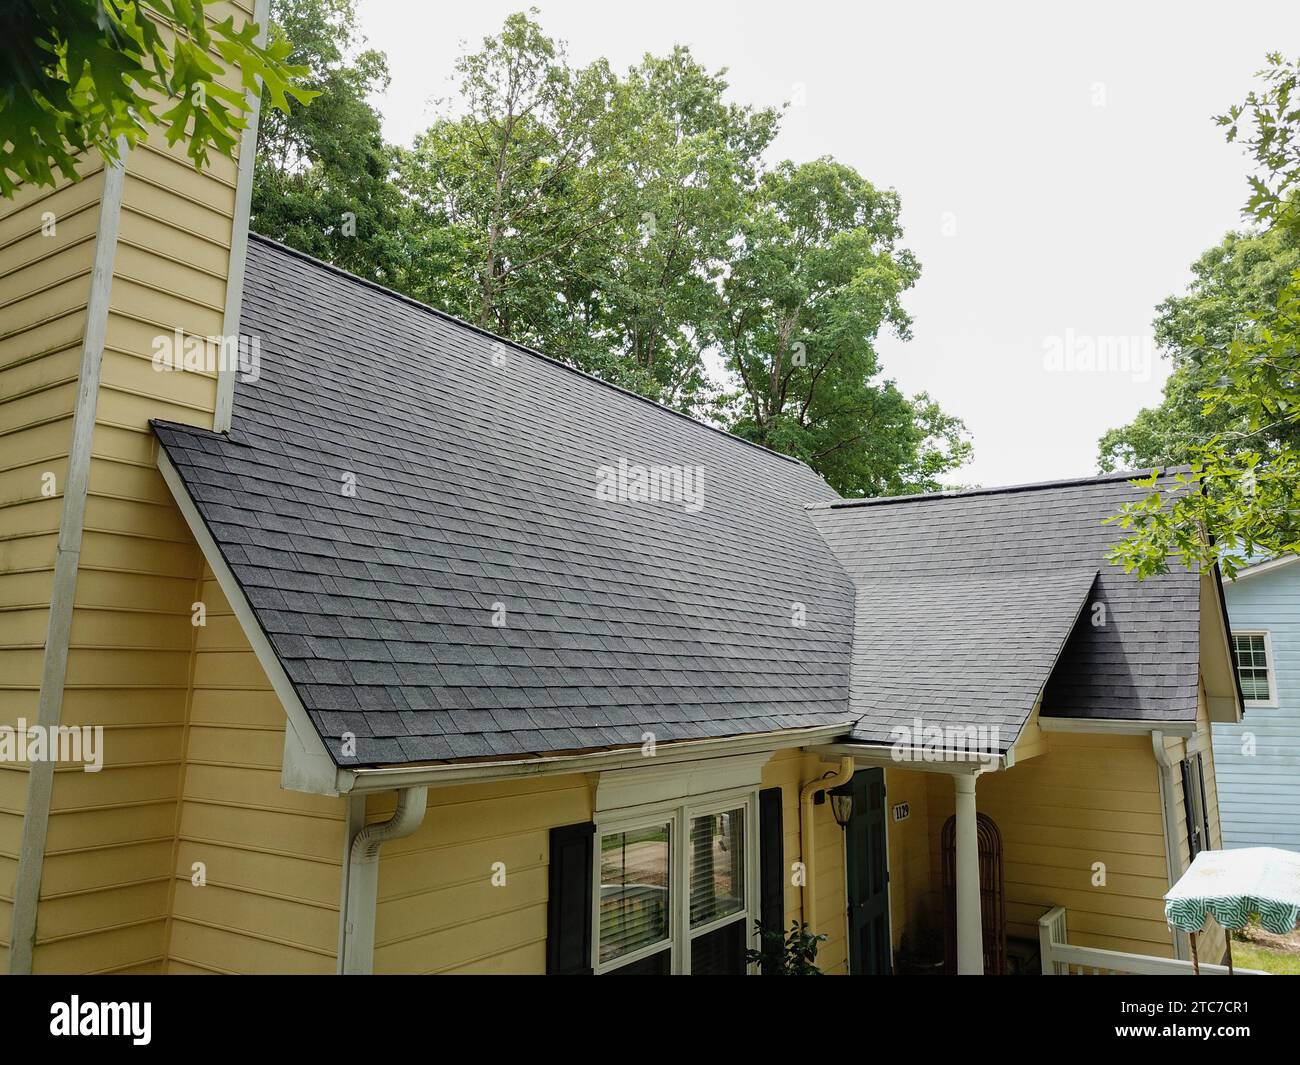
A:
(868, 875)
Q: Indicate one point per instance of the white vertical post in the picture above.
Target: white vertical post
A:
(970, 934)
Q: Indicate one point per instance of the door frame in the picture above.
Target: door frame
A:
(889, 896)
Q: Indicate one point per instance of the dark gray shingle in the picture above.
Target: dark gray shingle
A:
(475, 486)
(964, 584)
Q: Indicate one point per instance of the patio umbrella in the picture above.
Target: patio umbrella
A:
(1231, 885)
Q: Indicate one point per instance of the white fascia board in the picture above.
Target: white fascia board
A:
(1114, 726)
(384, 778)
(225, 406)
(307, 765)
(1263, 567)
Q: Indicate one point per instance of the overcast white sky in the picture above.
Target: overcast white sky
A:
(1058, 166)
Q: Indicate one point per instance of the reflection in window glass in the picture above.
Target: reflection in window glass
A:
(717, 866)
(633, 890)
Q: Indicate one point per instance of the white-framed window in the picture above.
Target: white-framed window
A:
(676, 886)
(1255, 667)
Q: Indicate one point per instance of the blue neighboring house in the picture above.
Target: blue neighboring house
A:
(1257, 763)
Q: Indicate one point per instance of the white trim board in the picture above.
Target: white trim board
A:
(307, 764)
(623, 789)
(72, 521)
(873, 756)
(1263, 567)
(1114, 726)
(225, 405)
(383, 778)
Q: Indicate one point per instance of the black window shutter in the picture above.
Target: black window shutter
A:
(568, 903)
(771, 875)
(1205, 803)
(1189, 810)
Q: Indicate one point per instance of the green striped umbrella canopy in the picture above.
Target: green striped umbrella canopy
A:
(1232, 885)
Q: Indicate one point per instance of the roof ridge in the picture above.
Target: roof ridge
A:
(272, 242)
(1033, 486)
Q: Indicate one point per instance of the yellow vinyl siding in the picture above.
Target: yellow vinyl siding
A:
(438, 909)
(1210, 943)
(130, 656)
(1087, 799)
(45, 284)
(789, 771)
(913, 903)
(1084, 798)
(272, 857)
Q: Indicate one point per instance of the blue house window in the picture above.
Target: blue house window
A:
(1255, 667)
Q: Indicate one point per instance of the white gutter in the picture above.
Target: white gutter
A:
(362, 887)
(920, 759)
(67, 555)
(384, 778)
(1114, 726)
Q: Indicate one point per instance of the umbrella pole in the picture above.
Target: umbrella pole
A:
(1228, 939)
(1196, 961)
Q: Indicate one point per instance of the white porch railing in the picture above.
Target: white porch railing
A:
(1061, 959)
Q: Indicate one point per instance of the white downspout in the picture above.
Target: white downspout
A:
(970, 932)
(363, 878)
(807, 841)
(1168, 819)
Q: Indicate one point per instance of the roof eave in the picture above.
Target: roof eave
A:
(362, 779)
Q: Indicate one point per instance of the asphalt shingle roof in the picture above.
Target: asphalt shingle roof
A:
(963, 598)
(476, 471)
(956, 651)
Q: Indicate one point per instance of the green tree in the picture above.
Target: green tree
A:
(684, 162)
(816, 274)
(1238, 279)
(324, 176)
(587, 213)
(1242, 494)
(511, 187)
(82, 75)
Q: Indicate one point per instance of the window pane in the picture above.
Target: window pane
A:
(654, 965)
(633, 890)
(720, 952)
(717, 866)
(1252, 666)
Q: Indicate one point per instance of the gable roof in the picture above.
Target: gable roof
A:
(982, 659)
(987, 586)
(1265, 565)
(476, 466)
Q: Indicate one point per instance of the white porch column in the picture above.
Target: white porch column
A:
(970, 934)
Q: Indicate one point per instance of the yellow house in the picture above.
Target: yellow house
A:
(360, 640)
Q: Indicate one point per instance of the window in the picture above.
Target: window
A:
(675, 890)
(1255, 667)
(634, 870)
